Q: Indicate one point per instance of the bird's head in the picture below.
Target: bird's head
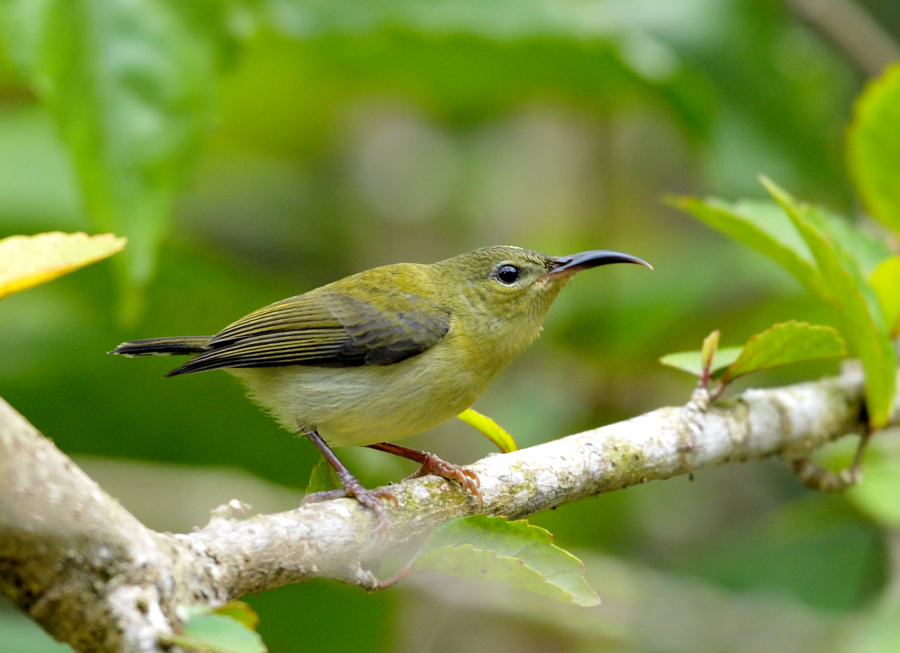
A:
(507, 291)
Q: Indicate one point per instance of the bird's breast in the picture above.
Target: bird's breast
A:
(357, 406)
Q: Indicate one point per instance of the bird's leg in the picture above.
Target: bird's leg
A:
(352, 486)
(431, 464)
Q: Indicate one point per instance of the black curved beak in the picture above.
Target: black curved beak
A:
(566, 265)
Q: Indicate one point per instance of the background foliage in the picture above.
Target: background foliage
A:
(253, 150)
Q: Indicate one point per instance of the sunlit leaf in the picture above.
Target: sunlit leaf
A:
(886, 282)
(514, 553)
(322, 478)
(873, 147)
(492, 431)
(213, 632)
(692, 361)
(764, 227)
(856, 304)
(783, 344)
(27, 261)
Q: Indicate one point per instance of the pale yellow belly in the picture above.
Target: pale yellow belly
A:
(363, 405)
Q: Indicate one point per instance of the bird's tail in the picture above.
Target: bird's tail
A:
(172, 346)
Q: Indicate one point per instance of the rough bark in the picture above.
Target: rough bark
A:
(92, 575)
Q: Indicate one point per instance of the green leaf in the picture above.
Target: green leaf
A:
(886, 282)
(855, 302)
(211, 632)
(692, 361)
(628, 53)
(132, 86)
(491, 430)
(873, 147)
(322, 478)
(878, 629)
(240, 611)
(514, 553)
(867, 250)
(879, 494)
(782, 344)
(762, 226)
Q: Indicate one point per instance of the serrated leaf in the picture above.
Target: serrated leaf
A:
(216, 633)
(856, 304)
(491, 430)
(783, 344)
(27, 261)
(885, 281)
(765, 228)
(240, 611)
(132, 86)
(514, 553)
(322, 478)
(873, 147)
(692, 361)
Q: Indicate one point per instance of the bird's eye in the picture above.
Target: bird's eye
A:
(508, 274)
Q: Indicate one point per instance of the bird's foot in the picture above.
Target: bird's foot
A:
(352, 487)
(439, 467)
(431, 464)
(369, 498)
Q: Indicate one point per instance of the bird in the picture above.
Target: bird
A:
(386, 353)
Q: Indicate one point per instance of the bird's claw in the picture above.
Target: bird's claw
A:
(369, 498)
(439, 467)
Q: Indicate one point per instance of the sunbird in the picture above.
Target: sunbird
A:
(386, 353)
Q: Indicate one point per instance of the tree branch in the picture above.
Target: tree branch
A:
(92, 575)
(853, 30)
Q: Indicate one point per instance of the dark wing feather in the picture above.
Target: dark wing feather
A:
(376, 337)
(327, 328)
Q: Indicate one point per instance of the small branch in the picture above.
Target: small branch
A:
(91, 575)
(853, 30)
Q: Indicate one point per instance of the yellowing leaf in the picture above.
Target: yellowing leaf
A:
(27, 261)
(492, 431)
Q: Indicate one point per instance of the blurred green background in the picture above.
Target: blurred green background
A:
(316, 139)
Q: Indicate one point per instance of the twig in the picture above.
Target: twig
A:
(853, 30)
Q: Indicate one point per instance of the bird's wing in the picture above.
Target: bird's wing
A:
(327, 329)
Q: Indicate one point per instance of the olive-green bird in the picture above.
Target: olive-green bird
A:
(387, 353)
